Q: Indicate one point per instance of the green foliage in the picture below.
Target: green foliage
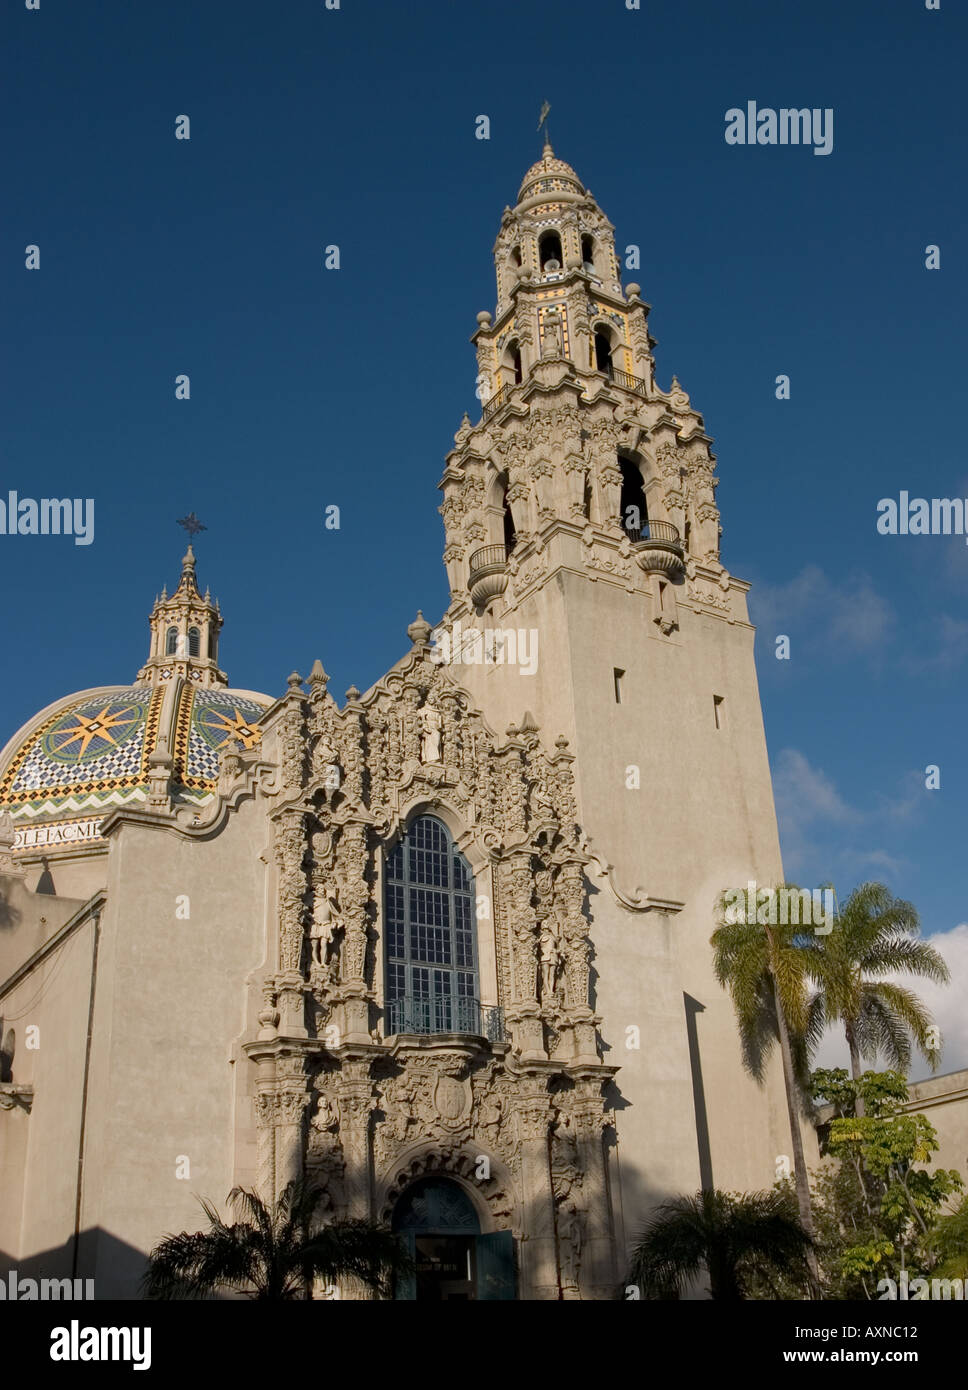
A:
(875, 1211)
(948, 1243)
(743, 1242)
(275, 1252)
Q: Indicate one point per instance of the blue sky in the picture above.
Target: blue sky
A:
(357, 127)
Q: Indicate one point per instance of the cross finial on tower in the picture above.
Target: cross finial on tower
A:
(191, 524)
(543, 121)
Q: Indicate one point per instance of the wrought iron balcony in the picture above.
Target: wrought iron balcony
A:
(487, 577)
(655, 531)
(658, 547)
(495, 402)
(625, 379)
(445, 1015)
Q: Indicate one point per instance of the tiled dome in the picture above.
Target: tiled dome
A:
(90, 751)
(550, 175)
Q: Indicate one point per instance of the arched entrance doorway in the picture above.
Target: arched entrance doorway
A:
(440, 1227)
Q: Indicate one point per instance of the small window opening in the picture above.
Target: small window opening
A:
(719, 713)
(194, 641)
(211, 644)
(171, 641)
(516, 257)
(588, 253)
(617, 676)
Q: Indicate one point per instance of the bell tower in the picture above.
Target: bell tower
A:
(581, 526)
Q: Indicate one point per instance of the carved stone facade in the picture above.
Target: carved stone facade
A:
(359, 1109)
(582, 728)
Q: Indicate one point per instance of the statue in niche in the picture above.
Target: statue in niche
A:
(325, 762)
(325, 1119)
(322, 934)
(550, 960)
(492, 1114)
(404, 1108)
(552, 336)
(571, 1228)
(431, 724)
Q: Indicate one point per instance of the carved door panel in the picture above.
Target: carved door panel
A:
(406, 1289)
(495, 1266)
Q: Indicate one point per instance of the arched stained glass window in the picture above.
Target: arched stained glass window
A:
(431, 947)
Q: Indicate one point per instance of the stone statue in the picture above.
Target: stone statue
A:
(492, 1113)
(326, 923)
(325, 1117)
(571, 1229)
(430, 727)
(550, 958)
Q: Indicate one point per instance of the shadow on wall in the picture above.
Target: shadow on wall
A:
(114, 1265)
(9, 915)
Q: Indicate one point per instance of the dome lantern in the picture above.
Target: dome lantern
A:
(184, 635)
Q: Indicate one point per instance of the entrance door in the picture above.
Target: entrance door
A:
(452, 1259)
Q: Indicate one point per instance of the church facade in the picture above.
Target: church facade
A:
(442, 948)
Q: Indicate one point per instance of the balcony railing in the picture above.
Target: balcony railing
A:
(655, 531)
(445, 1014)
(625, 379)
(495, 402)
(486, 560)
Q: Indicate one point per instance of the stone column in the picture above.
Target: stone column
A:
(291, 1102)
(598, 1272)
(356, 1102)
(539, 1262)
(518, 917)
(354, 895)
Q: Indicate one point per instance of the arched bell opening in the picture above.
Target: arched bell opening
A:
(511, 364)
(549, 252)
(603, 352)
(633, 506)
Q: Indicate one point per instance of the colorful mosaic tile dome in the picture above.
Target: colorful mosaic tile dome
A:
(549, 175)
(91, 751)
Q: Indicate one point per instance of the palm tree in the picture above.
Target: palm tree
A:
(733, 1236)
(764, 969)
(876, 934)
(274, 1252)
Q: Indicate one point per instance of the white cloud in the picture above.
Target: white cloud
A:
(812, 609)
(947, 1002)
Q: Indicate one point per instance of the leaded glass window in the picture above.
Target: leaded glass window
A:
(429, 935)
